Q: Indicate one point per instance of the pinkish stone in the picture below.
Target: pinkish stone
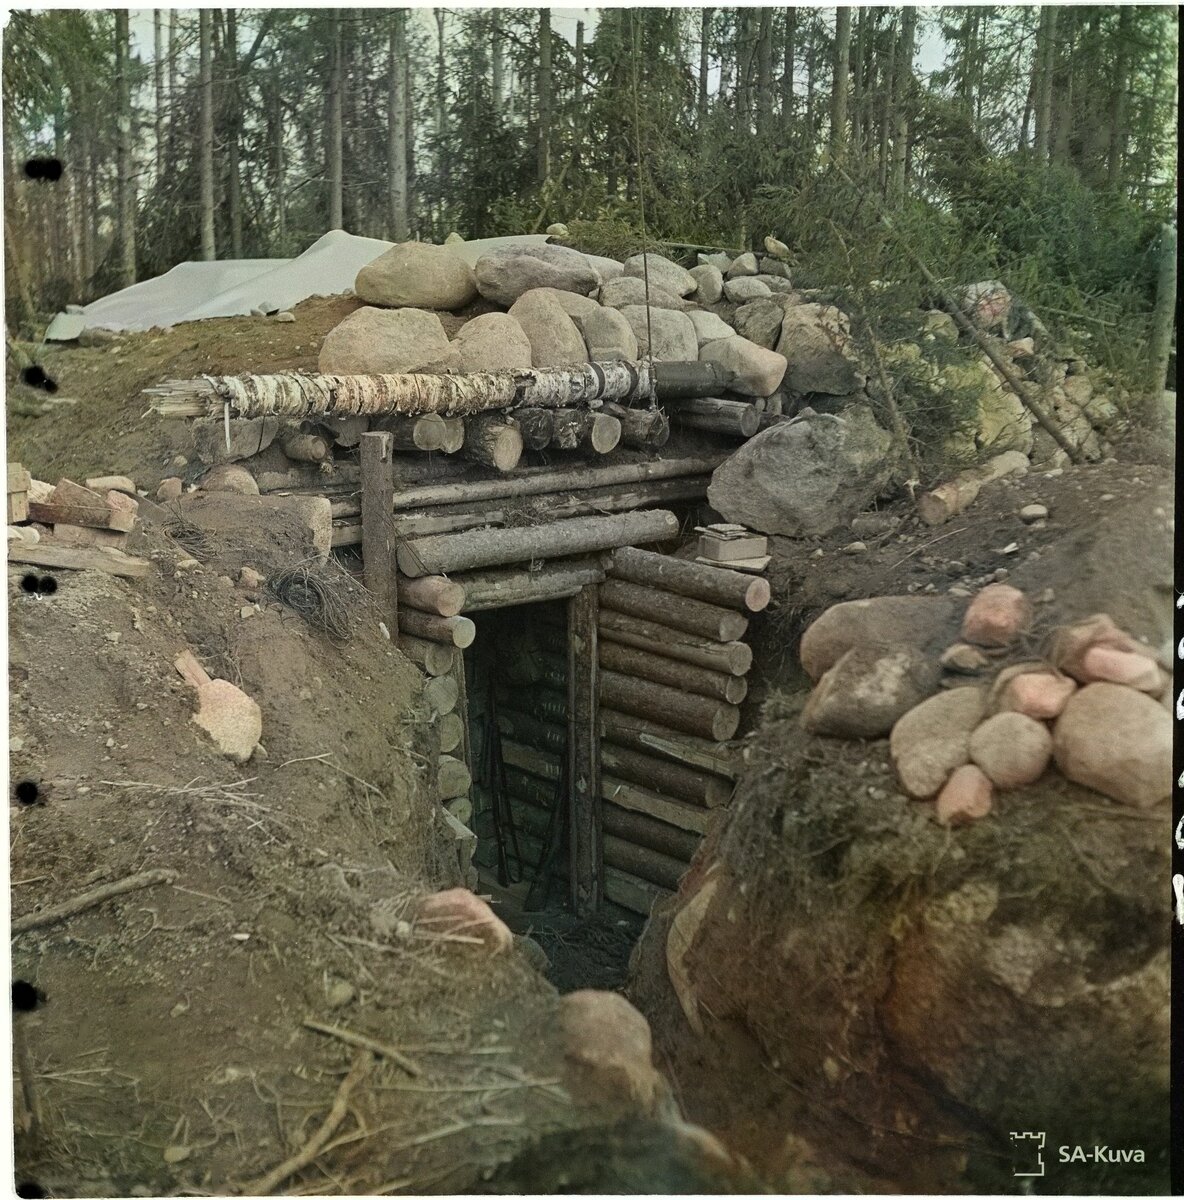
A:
(459, 912)
(996, 616)
(966, 797)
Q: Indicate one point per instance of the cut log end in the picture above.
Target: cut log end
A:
(605, 433)
(494, 442)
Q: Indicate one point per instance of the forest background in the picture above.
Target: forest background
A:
(1036, 145)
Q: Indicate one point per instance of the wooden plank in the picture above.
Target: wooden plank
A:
(18, 507)
(632, 893)
(583, 747)
(642, 800)
(378, 539)
(92, 516)
(18, 478)
(114, 562)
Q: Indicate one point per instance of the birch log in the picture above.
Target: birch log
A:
(454, 435)
(450, 552)
(713, 585)
(414, 433)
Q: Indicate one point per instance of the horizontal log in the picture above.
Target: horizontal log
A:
(637, 895)
(452, 552)
(657, 669)
(529, 790)
(669, 778)
(733, 657)
(456, 631)
(650, 865)
(531, 483)
(454, 435)
(713, 585)
(531, 731)
(547, 697)
(534, 762)
(435, 658)
(641, 428)
(637, 733)
(452, 778)
(521, 585)
(575, 427)
(694, 616)
(732, 417)
(413, 433)
(441, 693)
(74, 558)
(536, 425)
(639, 799)
(699, 715)
(432, 594)
(306, 447)
(493, 440)
(643, 830)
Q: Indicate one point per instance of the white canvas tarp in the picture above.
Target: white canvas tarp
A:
(232, 288)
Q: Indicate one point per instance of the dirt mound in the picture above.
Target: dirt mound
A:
(169, 1051)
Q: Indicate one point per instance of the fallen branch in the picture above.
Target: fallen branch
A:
(265, 1185)
(366, 1043)
(59, 912)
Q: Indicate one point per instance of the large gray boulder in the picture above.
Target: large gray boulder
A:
(383, 341)
(608, 336)
(606, 268)
(417, 275)
(504, 275)
(709, 283)
(743, 265)
(673, 334)
(554, 339)
(709, 327)
(663, 272)
(493, 342)
(618, 293)
(573, 304)
(760, 322)
(744, 288)
(805, 477)
(754, 370)
(777, 285)
(816, 340)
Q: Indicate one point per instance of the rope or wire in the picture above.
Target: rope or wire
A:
(308, 596)
(645, 242)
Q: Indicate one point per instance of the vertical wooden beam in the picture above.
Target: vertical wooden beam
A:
(378, 532)
(583, 748)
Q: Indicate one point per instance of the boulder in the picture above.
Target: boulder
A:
(381, 341)
(1074, 650)
(1118, 742)
(760, 322)
(1104, 664)
(806, 477)
(169, 489)
(867, 691)
(755, 371)
(816, 339)
(778, 286)
(417, 275)
(571, 303)
(774, 266)
(492, 342)
(964, 659)
(504, 275)
(744, 288)
(247, 437)
(965, 798)
(987, 304)
(608, 336)
(932, 740)
(557, 229)
(709, 327)
(720, 260)
(229, 477)
(627, 290)
(745, 264)
(1000, 422)
(458, 911)
(1011, 748)
(554, 339)
(661, 271)
(709, 283)
(996, 616)
(608, 1048)
(231, 718)
(1034, 689)
(606, 268)
(673, 333)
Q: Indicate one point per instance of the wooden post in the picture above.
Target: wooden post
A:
(583, 747)
(378, 537)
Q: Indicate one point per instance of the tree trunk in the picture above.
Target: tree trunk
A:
(572, 428)
(206, 85)
(544, 93)
(306, 447)
(1062, 130)
(652, 737)
(1042, 66)
(691, 616)
(681, 710)
(1160, 343)
(645, 831)
(733, 657)
(415, 433)
(432, 594)
(449, 552)
(669, 778)
(278, 190)
(1116, 151)
(764, 73)
(536, 425)
(158, 81)
(443, 166)
(840, 83)
(173, 53)
(641, 800)
(704, 46)
(791, 28)
(494, 441)
(333, 165)
(712, 585)
(498, 62)
(523, 585)
(125, 154)
(903, 91)
(434, 658)
(454, 631)
(862, 20)
(736, 418)
(641, 428)
(398, 226)
(234, 190)
(887, 115)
